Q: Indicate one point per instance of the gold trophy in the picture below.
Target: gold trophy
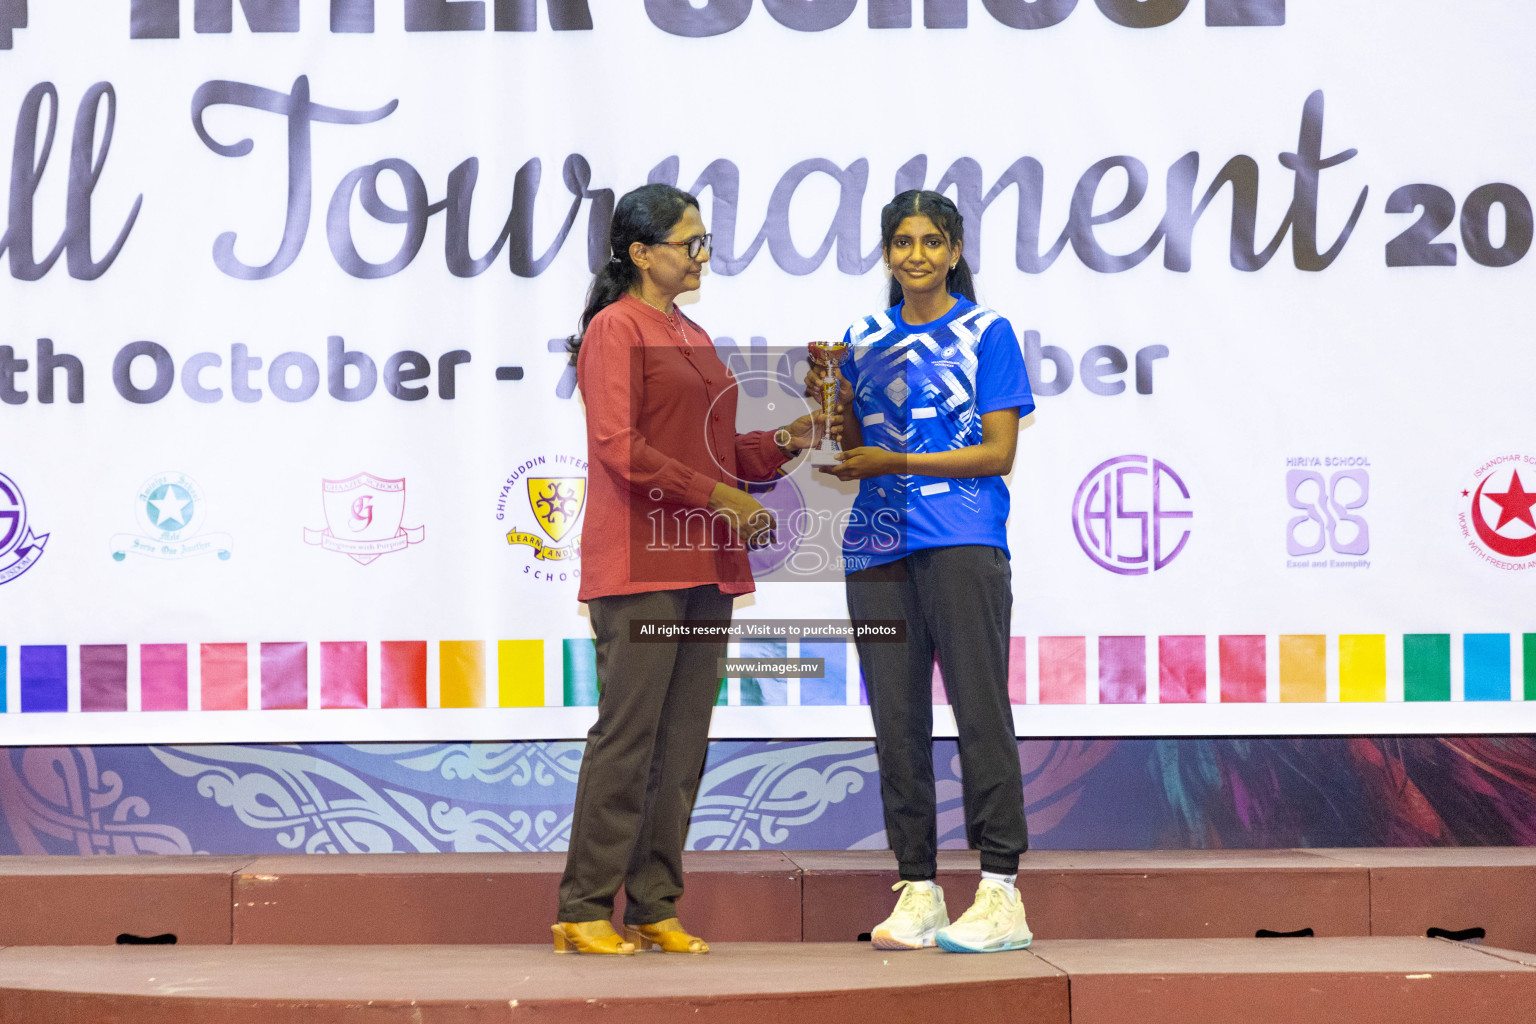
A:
(829, 355)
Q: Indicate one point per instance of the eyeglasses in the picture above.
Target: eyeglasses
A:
(695, 245)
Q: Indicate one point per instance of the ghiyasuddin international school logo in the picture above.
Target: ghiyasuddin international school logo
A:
(1496, 512)
(1131, 515)
(549, 493)
(171, 510)
(363, 516)
(20, 548)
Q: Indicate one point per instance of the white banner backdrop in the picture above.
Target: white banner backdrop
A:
(289, 448)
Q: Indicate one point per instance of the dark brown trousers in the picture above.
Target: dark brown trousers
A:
(644, 757)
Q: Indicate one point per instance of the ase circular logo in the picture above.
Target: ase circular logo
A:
(1131, 515)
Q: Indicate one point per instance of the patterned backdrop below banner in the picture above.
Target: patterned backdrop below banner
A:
(1079, 794)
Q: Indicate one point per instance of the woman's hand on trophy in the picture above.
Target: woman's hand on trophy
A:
(865, 462)
(753, 524)
(808, 430)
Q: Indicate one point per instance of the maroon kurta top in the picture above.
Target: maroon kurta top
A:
(661, 432)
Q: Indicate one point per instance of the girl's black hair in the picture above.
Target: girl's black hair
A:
(647, 214)
(938, 208)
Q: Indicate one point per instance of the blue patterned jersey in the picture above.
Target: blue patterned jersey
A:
(924, 388)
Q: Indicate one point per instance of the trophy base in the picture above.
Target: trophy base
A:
(825, 456)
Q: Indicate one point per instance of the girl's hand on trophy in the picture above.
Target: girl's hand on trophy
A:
(808, 430)
(834, 426)
(817, 374)
(813, 379)
(865, 462)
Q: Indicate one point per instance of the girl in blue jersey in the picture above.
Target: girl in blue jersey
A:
(935, 386)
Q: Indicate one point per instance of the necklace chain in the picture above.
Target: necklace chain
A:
(675, 323)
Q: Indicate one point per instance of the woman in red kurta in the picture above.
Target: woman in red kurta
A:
(665, 541)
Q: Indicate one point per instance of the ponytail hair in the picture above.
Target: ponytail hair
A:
(938, 208)
(646, 215)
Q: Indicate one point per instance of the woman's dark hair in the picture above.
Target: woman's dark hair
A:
(648, 214)
(938, 208)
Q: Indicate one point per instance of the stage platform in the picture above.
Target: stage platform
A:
(1067, 981)
(1143, 937)
(763, 896)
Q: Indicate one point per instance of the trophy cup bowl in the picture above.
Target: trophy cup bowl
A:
(829, 355)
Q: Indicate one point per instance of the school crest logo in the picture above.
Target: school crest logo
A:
(1497, 516)
(548, 493)
(363, 517)
(557, 503)
(20, 548)
(171, 511)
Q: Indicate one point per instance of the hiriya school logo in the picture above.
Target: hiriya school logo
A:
(363, 514)
(20, 548)
(1329, 491)
(549, 494)
(1131, 515)
(171, 510)
(1496, 517)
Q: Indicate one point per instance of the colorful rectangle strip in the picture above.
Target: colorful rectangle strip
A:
(1063, 670)
(763, 691)
(1362, 667)
(1304, 669)
(284, 676)
(44, 678)
(3, 678)
(579, 684)
(1489, 672)
(520, 673)
(225, 670)
(163, 677)
(1486, 666)
(403, 674)
(1529, 649)
(1244, 669)
(1181, 669)
(1122, 670)
(104, 677)
(1426, 666)
(461, 673)
(344, 674)
(832, 688)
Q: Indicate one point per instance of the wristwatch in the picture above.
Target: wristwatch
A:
(782, 438)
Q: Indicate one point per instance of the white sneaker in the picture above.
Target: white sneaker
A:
(918, 916)
(994, 923)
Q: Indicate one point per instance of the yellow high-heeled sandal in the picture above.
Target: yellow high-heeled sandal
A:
(590, 937)
(668, 936)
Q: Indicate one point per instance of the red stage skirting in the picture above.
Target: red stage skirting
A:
(764, 896)
(1081, 981)
(1124, 936)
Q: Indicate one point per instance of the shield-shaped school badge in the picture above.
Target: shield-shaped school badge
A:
(363, 516)
(557, 503)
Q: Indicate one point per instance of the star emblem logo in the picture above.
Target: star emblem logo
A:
(1501, 514)
(171, 510)
(170, 507)
(1515, 503)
